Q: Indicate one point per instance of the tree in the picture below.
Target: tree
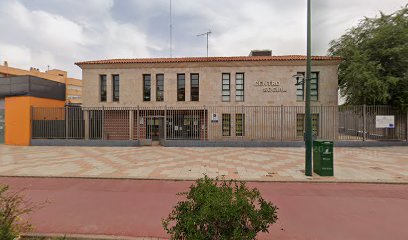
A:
(374, 69)
(220, 210)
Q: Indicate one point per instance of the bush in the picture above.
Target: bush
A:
(220, 210)
(12, 208)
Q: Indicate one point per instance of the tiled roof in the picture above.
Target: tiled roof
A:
(208, 59)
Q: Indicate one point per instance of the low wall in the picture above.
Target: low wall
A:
(198, 143)
(85, 143)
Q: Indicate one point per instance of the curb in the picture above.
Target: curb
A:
(193, 180)
(87, 236)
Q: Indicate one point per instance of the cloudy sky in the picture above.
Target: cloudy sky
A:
(58, 33)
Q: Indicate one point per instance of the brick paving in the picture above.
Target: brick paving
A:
(374, 164)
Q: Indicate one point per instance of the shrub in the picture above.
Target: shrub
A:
(220, 210)
(12, 208)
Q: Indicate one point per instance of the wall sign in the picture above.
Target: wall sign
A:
(214, 118)
(270, 86)
(384, 121)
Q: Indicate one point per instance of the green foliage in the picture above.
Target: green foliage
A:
(220, 210)
(374, 69)
(12, 208)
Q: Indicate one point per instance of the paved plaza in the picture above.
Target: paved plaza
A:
(374, 164)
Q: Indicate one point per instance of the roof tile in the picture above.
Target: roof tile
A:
(208, 59)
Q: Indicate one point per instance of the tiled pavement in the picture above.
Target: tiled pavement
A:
(374, 164)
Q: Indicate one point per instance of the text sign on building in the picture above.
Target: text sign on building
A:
(384, 121)
(214, 118)
(270, 86)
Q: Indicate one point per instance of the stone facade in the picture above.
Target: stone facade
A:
(210, 79)
(270, 108)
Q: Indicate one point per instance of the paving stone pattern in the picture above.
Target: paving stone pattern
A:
(374, 164)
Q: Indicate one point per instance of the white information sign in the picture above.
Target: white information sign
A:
(384, 121)
(214, 117)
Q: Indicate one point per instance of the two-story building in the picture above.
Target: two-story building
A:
(210, 97)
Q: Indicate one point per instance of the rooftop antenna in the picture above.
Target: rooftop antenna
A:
(171, 34)
(203, 34)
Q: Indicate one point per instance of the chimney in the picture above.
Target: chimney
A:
(260, 53)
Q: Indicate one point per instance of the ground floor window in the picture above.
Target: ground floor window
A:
(301, 121)
(184, 126)
(240, 124)
(226, 124)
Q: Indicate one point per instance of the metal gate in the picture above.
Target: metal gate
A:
(2, 125)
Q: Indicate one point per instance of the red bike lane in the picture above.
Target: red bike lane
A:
(136, 207)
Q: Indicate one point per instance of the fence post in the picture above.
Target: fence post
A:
(281, 123)
(131, 123)
(31, 122)
(103, 123)
(138, 124)
(364, 122)
(86, 119)
(205, 121)
(66, 122)
(320, 123)
(165, 122)
(406, 125)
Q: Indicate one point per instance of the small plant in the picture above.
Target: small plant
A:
(220, 210)
(12, 208)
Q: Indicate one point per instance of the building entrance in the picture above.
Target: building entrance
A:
(154, 128)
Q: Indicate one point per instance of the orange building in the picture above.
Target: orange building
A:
(73, 90)
(18, 95)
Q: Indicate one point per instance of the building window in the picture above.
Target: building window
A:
(181, 84)
(239, 86)
(240, 124)
(115, 84)
(73, 97)
(226, 124)
(226, 84)
(314, 88)
(160, 87)
(102, 89)
(301, 121)
(78, 88)
(195, 86)
(146, 87)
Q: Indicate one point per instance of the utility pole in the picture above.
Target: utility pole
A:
(308, 137)
(206, 33)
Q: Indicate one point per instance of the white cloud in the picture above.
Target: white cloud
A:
(39, 38)
(58, 33)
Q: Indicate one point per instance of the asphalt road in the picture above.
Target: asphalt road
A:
(136, 207)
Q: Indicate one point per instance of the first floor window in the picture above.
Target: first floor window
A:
(240, 124)
(226, 84)
(115, 84)
(102, 89)
(195, 87)
(301, 122)
(226, 124)
(181, 87)
(314, 88)
(146, 87)
(160, 87)
(239, 86)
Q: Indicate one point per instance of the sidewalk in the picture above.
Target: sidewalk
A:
(375, 164)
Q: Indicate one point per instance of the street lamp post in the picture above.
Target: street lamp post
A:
(308, 137)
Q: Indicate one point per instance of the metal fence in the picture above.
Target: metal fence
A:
(221, 123)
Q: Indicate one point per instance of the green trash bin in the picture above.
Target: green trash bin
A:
(323, 158)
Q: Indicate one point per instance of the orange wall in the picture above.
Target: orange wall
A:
(18, 119)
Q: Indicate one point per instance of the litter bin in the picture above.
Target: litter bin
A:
(323, 158)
